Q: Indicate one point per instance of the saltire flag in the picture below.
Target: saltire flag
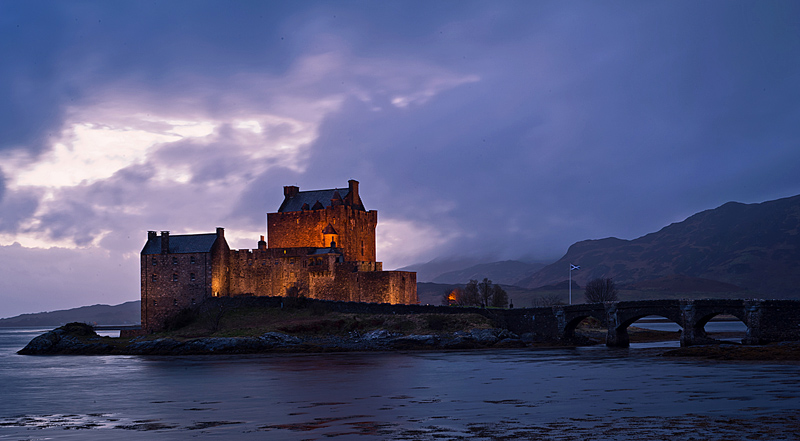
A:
(574, 267)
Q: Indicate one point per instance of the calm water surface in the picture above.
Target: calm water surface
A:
(564, 394)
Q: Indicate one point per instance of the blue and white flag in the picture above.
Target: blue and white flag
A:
(574, 267)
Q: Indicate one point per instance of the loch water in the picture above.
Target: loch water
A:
(554, 394)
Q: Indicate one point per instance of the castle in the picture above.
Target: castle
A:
(321, 244)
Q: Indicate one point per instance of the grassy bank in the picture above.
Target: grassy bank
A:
(315, 322)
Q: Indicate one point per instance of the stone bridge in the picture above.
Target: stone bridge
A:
(766, 320)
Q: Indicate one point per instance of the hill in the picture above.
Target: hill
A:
(428, 271)
(127, 313)
(736, 247)
(507, 272)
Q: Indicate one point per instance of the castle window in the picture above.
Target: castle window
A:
(191, 277)
(174, 277)
(154, 278)
(175, 302)
(174, 260)
(155, 262)
(155, 302)
(192, 261)
(192, 301)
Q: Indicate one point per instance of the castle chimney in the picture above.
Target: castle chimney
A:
(262, 244)
(151, 235)
(220, 232)
(289, 191)
(353, 195)
(164, 242)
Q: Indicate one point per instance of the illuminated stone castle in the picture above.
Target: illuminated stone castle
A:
(321, 245)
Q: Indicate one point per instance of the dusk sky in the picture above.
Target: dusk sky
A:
(498, 130)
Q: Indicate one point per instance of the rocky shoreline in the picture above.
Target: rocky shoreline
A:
(76, 340)
(81, 339)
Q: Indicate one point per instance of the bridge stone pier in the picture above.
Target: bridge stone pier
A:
(766, 320)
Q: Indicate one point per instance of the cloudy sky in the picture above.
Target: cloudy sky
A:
(498, 130)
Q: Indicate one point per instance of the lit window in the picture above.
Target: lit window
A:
(155, 262)
(155, 302)
(174, 277)
(154, 278)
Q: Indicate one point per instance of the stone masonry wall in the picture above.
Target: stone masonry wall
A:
(172, 282)
(355, 228)
(272, 272)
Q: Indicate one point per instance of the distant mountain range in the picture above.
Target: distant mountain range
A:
(428, 271)
(128, 313)
(749, 248)
(507, 272)
(753, 247)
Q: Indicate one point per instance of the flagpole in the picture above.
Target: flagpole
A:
(571, 269)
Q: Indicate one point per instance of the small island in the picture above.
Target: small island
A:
(298, 326)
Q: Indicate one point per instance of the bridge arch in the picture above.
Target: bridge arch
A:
(572, 325)
(698, 313)
(621, 331)
(623, 314)
(569, 317)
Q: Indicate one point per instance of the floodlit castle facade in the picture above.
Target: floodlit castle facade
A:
(320, 244)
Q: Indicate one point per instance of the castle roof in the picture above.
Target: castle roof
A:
(182, 243)
(320, 251)
(311, 197)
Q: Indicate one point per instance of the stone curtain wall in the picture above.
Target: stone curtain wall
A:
(274, 271)
(385, 287)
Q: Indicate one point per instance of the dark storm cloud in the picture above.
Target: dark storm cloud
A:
(16, 207)
(632, 119)
(55, 54)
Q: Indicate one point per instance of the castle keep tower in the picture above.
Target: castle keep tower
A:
(315, 218)
(321, 244)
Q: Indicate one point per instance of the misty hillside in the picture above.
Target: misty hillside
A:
(128, 313)
(428, 271)
(736, 246)
(507, 272)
